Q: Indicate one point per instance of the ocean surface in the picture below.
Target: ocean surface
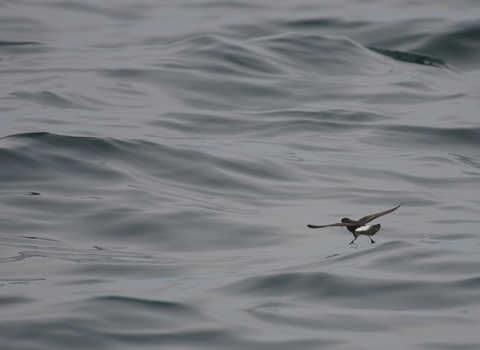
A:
(160, 162)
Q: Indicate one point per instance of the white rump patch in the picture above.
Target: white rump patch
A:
(363, 228)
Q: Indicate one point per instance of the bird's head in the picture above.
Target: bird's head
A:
(344, 220)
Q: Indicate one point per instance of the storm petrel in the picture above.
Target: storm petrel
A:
(358, 227)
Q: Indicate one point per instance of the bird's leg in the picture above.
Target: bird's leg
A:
(353, 241)
(371, 239)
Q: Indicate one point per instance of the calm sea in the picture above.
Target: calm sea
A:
(160, 160)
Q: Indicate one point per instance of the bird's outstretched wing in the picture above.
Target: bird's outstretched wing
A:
(337, 224)
(369, 218)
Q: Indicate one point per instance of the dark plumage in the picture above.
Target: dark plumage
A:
(359, 227)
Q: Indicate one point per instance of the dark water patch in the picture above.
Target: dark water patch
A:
(122, 303)
(18, 43)
(39, 238)
(19, 193)
(469, 161)
(17, 51)
(324, 23)
(423, 137)
(411, 57)
(457, 43)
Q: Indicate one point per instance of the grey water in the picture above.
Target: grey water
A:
(159, 163)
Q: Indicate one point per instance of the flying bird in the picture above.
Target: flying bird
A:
(359, 227)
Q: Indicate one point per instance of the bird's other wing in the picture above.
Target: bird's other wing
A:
(337, 224)
(369, 218)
